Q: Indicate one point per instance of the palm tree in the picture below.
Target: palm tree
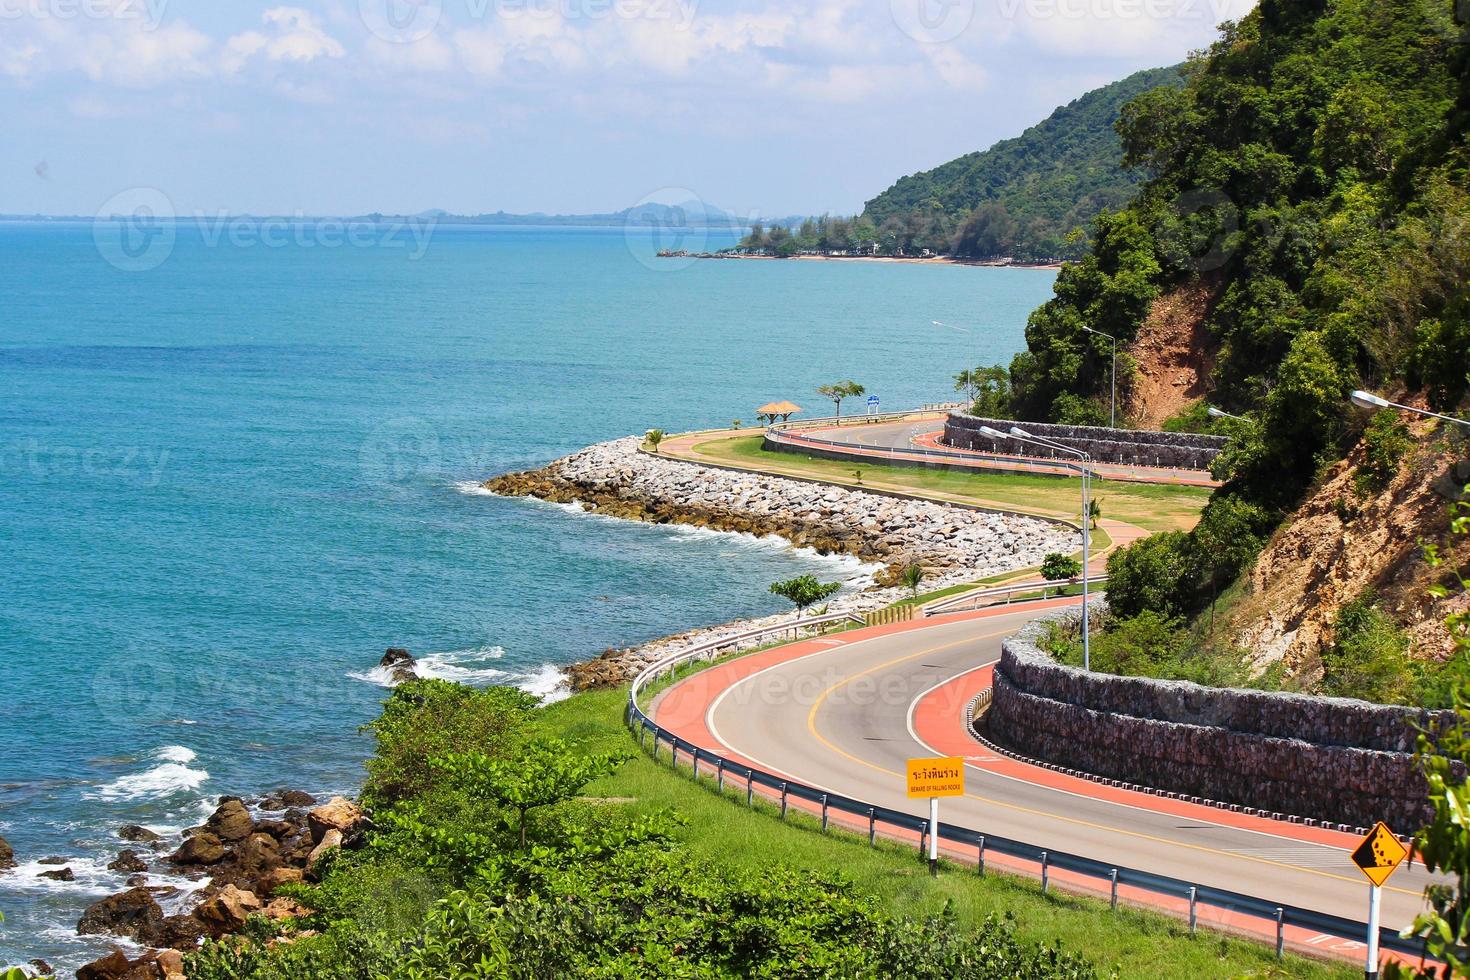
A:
(841, 390)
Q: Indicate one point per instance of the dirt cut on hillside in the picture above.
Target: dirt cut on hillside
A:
(1173, 353)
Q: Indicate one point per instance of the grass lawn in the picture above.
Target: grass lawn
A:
(724, 832)
(1154, 507)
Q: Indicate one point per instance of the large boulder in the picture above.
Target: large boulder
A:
(399, 663)
(202, 848)
(133, 913)
(110, 967)
(331, 841)
(231, 821)
(285, 799)
(127, 862)
(182, 932)
(7, 855)
(339, 814)
(138, 835)
(60, 874)
(227, 911)
(266, 884)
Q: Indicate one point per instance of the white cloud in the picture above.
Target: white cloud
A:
(295, 36)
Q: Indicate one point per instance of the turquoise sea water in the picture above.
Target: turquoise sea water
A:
(228, 482)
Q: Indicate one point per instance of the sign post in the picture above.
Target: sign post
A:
(1378, 856)
(933, 778)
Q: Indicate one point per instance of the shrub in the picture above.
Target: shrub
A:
(1369, 657)
(1055, 567)
(428, 719)
(1151, 574)
(1386, 442)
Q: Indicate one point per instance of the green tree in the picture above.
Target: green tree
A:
(805, 590)
(1151, 574)
(839, 390)
(544, 773)
(1055, 567)
(653, 437)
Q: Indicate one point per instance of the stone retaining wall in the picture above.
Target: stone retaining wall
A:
(1181, 450)
(1330, 759)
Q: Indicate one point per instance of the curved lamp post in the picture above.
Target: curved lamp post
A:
(1085, 471)
(1217, 413)
(1113, 403)
(1370, 402)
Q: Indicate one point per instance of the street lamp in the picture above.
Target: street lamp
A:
(1085, 471)
(1113, 413)
(1370, 402)
(1216, 413)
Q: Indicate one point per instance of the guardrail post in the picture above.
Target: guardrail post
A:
(642, 737)
(982, 854)
(720, 776)
(1045, 871)
(655, 746)
(783, 801)
(675, 746)
(824, 813)
(924, 839)
(1193, 918)
(749, 789)
(872, 827)
(1280, 932)
(1113, 901)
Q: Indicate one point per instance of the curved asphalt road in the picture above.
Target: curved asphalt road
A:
(839, 714)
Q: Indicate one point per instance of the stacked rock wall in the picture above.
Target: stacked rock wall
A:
(1179, 450)
(1330, 759)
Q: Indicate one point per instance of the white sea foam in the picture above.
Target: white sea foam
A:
(549, 682)
(464, 666)
(176, 753)
(159, 783)
(472, 488)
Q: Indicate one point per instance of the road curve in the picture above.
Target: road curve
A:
(844, 713)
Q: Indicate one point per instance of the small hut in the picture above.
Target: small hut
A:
(777, 411)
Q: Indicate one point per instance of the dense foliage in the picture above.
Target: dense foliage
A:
(1025, 196)
(487, 862)
(1313, 171)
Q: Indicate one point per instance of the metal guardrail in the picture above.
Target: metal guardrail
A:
(784, 433)
(979, 598)
(1281, 914)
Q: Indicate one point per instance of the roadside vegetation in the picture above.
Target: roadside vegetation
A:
(1154, 507)
(631, 870)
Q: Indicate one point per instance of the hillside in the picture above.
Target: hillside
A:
(1307, 188)
(1024, 195)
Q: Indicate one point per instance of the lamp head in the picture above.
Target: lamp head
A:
(1368, 400)
(1215, 413)
(1020, 433)
(986, 430)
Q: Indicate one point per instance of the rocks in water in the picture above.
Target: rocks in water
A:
(400, 665)
(153, 965)
(41, 968)
(7, 855)
(285, 799)
(231, 821)
(127, 862)
(60, 874)
(202, 848)
(182, 932)
(138, 835)
(134, 913)
(339, 814)
(227, 910)
(53, 860)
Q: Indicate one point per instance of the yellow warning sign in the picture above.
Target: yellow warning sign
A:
(1380, 854)
(936, 777)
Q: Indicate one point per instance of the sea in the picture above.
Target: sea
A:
(240, 459)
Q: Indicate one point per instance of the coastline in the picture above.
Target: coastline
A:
(892, 259)
(954, 545)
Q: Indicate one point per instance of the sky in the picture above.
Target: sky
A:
(345, 107)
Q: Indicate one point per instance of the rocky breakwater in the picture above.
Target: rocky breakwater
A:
(247, 859)
(953, 544)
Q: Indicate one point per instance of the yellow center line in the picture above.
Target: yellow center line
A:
(811, 724)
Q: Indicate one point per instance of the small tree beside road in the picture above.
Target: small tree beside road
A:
(840, 390)
(805, 591)
(652, 438)
(1055, 567)
(911, 576)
